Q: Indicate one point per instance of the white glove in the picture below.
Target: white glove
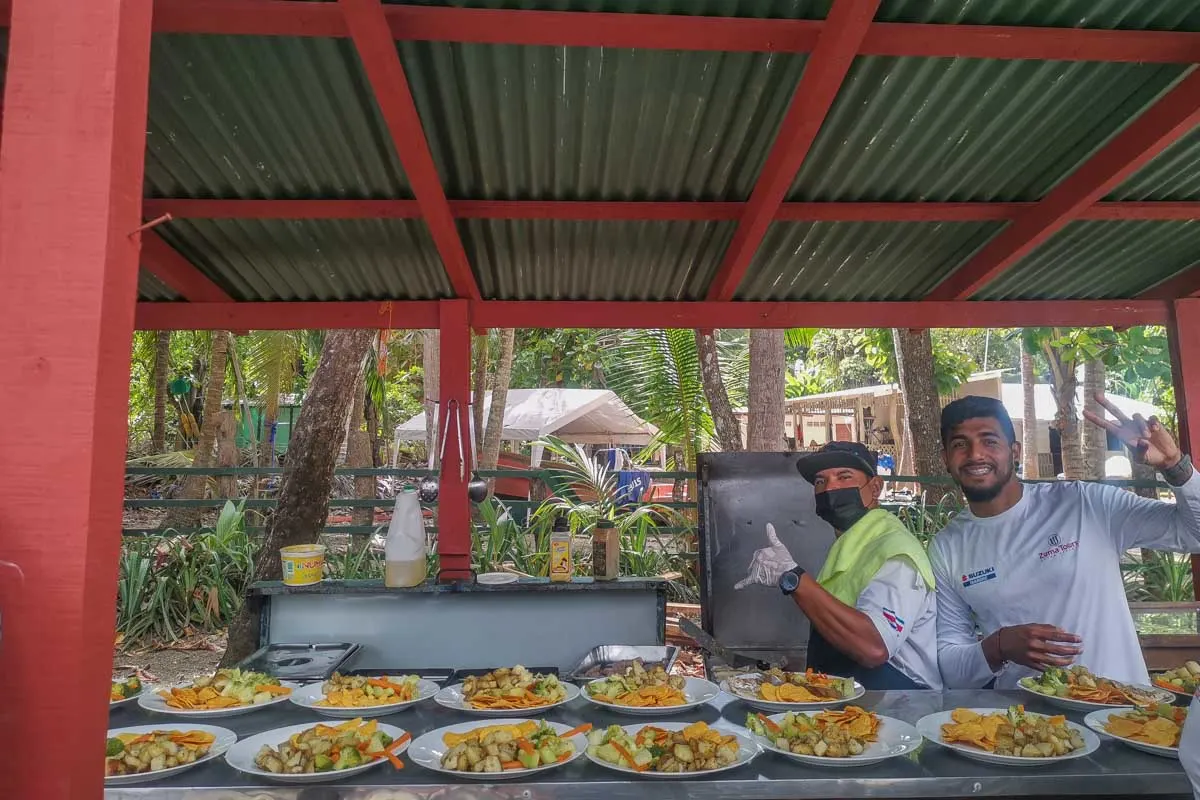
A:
(768, 563)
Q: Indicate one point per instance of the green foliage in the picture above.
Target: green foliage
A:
(1157, 576)
(169, 586)
(951, 368)
(567, 357)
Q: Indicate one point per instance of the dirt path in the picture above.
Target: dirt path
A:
(176, 664)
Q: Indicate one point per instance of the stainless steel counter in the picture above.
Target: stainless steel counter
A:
(932, 772)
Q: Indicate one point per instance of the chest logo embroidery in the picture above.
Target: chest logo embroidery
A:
(892, 619)
(1056, 547)
(979, 576)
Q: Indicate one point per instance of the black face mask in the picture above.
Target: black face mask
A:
(841, 508)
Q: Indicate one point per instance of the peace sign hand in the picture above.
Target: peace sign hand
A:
(1148, 441)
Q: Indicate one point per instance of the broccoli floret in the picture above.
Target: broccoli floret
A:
(113, 748)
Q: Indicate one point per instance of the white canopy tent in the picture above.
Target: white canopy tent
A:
(580, 416)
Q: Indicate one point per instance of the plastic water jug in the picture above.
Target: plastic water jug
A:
(404, 551)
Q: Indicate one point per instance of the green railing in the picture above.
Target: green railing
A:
(548, 475)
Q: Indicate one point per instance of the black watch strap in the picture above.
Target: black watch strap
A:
(1178, 475)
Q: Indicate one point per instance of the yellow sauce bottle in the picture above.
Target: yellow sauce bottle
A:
(560, 552)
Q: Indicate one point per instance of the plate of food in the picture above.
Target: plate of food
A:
(671, 749)
(1183, 681)
(348, 696)
(318, 753)
(991, 735)
(847, 737)
(500, 750)
(502, 691)
(776, 690)
(649, 692)
(1155, 729)
(1078, 689)
(124, 691)
(227, 693)
(149, 752)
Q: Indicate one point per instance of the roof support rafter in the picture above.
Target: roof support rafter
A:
(1172, 116)
(637, 210)
(845, 27)
(1185, 284)
(377, 49)
(674, 32)
(179, 274)
(695, 314)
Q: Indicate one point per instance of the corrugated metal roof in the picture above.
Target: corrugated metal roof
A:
(548, 259)
(947, 129)
(313, 259)
(1095, 259)
(151, 288)
(1173, 175)
(763, 9)
(1162, 15)
(594, 123)
(265, 117)
(859, 260)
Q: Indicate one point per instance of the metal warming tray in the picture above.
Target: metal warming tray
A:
(300, 662)
(608, 658)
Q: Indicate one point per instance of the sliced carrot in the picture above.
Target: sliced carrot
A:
(511, 765)
(525, 746)
(272, 689)
(768, 724)
(397, 763)
(625, 755)
(584, 728)
(563, 757)
(397, 742)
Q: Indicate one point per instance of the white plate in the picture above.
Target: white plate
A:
(1085, 705)
(748, 748)
(223, 741)
(930, 727)
(1096, 720)
(772, 706)
(241, 756)
(428, 749)
(118, 703)
(452, 697)
(308, 697)
(896, 738)
(496, 578)
(150, 701)
(697, 691)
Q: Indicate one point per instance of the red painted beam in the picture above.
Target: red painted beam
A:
(1183, 331)
(72, 158)
(844, 30)
(381, 62)
(402, 315)
(637, 210)
(1176, 113)
(678, 32)
(588, 314)
(454, 387)
(179, 274)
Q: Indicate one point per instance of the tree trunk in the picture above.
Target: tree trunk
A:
(490, 452)
(242, 400)
(479, 385)
(1029, 422)
(431, 350)
(729, 432)
(1067, 420)
(308, 472)
(227, 454)
(373, 425)
(922, 407)
(358, 453)
(764, 415)
(194, 485)
(1095, 440)
(1141, 471)
(162, 369)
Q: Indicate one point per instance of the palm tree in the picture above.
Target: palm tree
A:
(1029, 423)
(764, 412)
(271, 364)
(489, 453)
(1095, 439)
(922, 407)
(725, 425)
(162, 370)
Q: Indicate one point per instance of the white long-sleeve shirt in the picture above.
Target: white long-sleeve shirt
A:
(1052, 558)
(904, 611)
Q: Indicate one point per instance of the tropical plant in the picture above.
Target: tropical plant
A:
(1158, 576)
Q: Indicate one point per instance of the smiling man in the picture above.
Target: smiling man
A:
(1037, 567)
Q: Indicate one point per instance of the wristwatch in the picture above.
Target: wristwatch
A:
(789, 580)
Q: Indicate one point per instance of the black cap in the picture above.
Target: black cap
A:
(852, 455)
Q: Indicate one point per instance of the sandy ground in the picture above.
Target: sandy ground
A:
(176, 664)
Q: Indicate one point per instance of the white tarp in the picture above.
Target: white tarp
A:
(1046, 408)
(582, 416)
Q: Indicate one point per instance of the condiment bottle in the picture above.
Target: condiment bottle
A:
(404, 550)
(606, 551)
(560, 551)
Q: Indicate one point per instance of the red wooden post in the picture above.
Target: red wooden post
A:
(454, 511)
(71, 157)
(1185, 364)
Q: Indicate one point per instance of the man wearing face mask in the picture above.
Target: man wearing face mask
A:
(872, 607)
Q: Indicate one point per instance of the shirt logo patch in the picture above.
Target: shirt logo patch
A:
(979, 576)
(896, 622)
(1057, 548)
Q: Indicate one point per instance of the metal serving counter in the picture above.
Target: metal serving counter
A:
(931, 772)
